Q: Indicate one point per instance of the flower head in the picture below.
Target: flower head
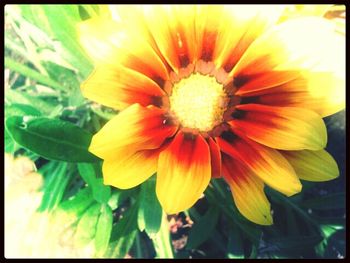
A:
(210, 91)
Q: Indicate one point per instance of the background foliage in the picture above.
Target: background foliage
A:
(48, 120)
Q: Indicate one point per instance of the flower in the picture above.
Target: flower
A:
(211, 91)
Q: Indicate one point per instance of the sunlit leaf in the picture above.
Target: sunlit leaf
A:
(32, 74)
(89, 172)
(56, 180)
(19, 97)
(103, 230)
(79, 203)
(150, 212)
(86, 228)
(162, 240)
(20, 110)
(60, 22)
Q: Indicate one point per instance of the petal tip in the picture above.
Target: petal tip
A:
(295, 188)
(268, 220)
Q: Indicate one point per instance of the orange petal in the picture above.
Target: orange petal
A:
(172, 28)
(268, 164)
(130, 171)
(284, 128)
(263, 83)
(247, 191)
(310, 47)
(316, 166)
(215, 158)
(135, 128)
(183, 172)
(110, 42)
(119, 87)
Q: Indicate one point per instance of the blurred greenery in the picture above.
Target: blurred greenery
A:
(48, 120)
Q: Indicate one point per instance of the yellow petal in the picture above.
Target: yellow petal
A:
(247, 191)
(132, 18)
(131, 171)
(303, 92)
(294, 11)
(268, 164)
(110, 42)
(316, 166)
(284, 128)
(183, 172)
(119, 87)
(310, 46)
(238, 27)
(135, 128)
(297, 44)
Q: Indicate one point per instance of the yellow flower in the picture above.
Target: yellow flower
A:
(211, 91)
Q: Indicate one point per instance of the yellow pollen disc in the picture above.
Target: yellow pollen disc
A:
(198, 102)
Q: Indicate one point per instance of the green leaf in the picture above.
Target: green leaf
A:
(87, 11)
(76, 98)
(60, 22)
(19, 97)
(203, 228)
(332, 201)
(21, 109)
(32, 74)
(12, 110)
(162, 241)
(10, 144)
(51, 138)
(65, 76)
(298, 242)
(70, 211)
(79, 203)
(88, 172)
(68, 79)
(102, 192)
(235, 247)
(103, 114)
(292, 225)
(103, 230)
(86, 228)
(222, 197)
(56, 180)
(16, 47)
(123, 234)
(340, 220)
(119, 196)
(329, 230)
(114, 200)
(149, 216)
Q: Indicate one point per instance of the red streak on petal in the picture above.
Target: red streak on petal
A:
(215, 158)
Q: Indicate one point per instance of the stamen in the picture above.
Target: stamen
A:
(198, 102)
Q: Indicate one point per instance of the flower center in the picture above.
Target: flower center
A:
(198, 102)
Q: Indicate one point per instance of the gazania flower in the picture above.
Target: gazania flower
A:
(211, 91)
